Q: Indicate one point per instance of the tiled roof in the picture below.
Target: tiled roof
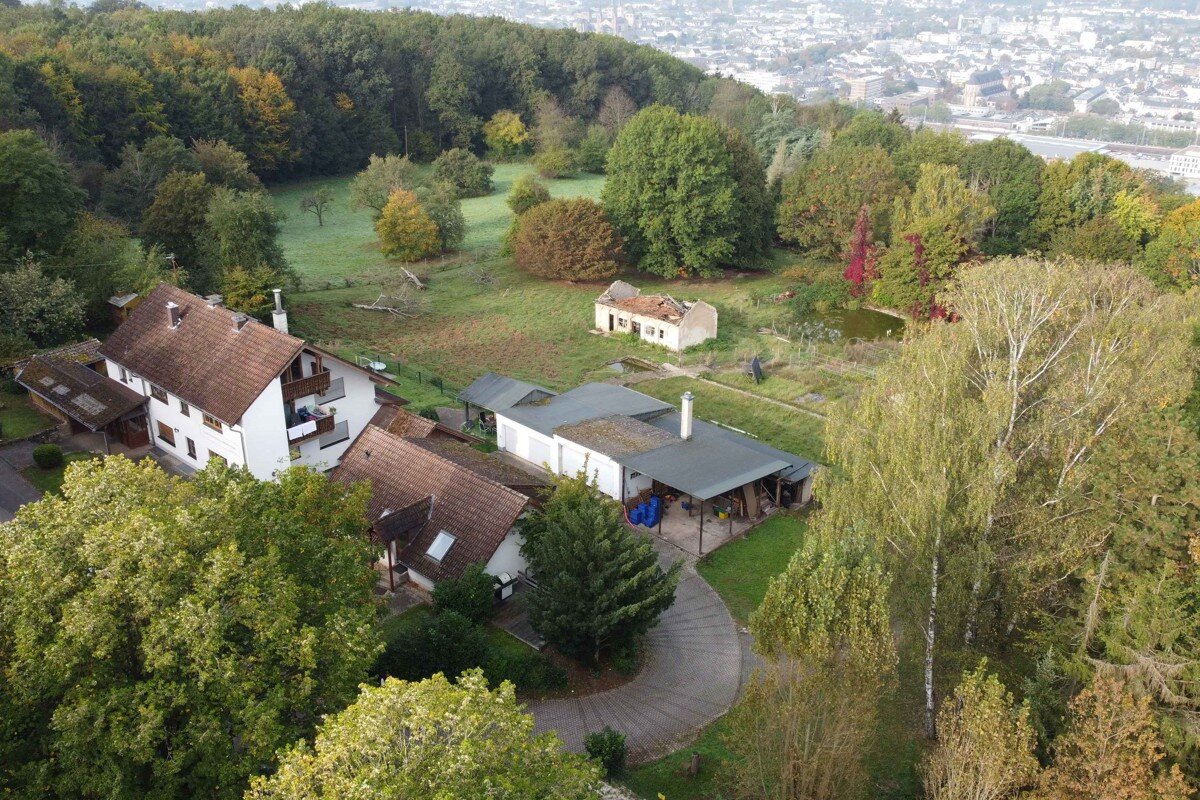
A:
(402, 422)
(494, 467)
(652, 305)
(84, 395)
(206, 359)
(477, 511)
(85, 352)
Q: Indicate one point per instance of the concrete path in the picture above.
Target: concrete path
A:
(691, 676)
(15, 491)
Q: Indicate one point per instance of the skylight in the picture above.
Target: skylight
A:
(441, 545)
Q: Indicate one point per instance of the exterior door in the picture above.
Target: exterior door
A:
(636, 327)
(612, 323)
(134, 433)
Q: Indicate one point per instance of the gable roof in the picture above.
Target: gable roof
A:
(497, 392)
(91, 399)
(494, 466)
(402, 422)
(206, 359)
(408, 478)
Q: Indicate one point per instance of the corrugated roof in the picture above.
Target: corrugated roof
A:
(497, 392)
(206, 359)
(589, 401)
(84, 395)
(476, 510)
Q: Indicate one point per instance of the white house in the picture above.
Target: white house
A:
(632, 443)
(222, 385)
(655, 318)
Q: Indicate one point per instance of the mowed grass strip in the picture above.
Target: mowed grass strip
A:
(741, 570)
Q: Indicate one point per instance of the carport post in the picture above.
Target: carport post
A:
(104, 433)
(700, 549)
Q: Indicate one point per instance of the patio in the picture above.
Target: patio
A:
(697, 532)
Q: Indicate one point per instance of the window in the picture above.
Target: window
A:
(339, 434)
(158, 394)
(191, 448)
(124, 375)
(212, 422)
(217, 457)
(660, 333)
(185, 409)
(621, 322)
(166, 433)
(441, 545)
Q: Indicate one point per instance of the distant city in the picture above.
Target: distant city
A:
(1060, 77)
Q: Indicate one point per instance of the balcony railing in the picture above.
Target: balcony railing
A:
(317, 383)
(310, 429)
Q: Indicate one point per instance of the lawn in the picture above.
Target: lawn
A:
(793, 431)
(741, 570)
(19, 417)
(668, 776)
(51, 480)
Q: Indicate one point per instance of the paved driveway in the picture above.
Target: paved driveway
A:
(691, 676)
(15, 491)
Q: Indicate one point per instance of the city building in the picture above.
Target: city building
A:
(985, 88)
(866, 88)
(1186, 163)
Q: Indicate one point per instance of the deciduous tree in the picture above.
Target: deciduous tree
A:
(1111, 749)
(677, 198)
(463, 170)
(443, 207)
(506, 135)
(164, 638)
(175, 222)
(38, 198)
(431, 738)
(405, 230)
(527, 191)
(317, 203)
(39, 308)
(985, 743)
(383, 175)
(567, 239)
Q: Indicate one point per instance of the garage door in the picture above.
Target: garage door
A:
(539, 451)
(572, 461)
(508, 435)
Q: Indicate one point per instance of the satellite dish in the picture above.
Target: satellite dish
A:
(377, 366)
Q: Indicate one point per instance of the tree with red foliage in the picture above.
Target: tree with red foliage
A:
(861, 270)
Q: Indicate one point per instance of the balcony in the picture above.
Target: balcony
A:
(317, 383)
(319, 423)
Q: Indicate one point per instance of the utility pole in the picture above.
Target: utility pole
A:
(174, 268)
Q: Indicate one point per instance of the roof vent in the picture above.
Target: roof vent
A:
(215, 300)
(174, 315)
(240, 320)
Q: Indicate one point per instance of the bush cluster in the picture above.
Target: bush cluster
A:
(607, 748)
(48, 456)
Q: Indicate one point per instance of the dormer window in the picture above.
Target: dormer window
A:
(441, 546)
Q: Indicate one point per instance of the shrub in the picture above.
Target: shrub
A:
(528, 671)
(527, 192)
(463, 170)
(405, 230)
(593, 150)
(443, 207)
(471, 595)
(447, 642)
(607, 748)
(48, 456)
(556, 162)
(567, 239)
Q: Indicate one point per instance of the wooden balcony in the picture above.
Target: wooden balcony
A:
(308, 430)
(318, 383)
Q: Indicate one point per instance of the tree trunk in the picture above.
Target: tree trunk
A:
(930, 635)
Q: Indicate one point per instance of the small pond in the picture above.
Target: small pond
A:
(846, 324)
(627, 365)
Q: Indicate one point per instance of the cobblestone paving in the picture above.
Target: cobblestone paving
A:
(691, 676)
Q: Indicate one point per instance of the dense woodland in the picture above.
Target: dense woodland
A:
(1007, 543)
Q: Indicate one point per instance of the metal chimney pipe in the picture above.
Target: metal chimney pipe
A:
(685, 419)
(279, 316)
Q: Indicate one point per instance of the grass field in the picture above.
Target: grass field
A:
(20, 418)
(741, 570)
(51, 480)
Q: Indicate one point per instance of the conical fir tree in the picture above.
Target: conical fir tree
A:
(600, 586)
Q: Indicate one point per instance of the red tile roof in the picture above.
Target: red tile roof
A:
(476, 511)
(206, 359)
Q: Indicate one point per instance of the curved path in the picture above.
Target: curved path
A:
(691, 676)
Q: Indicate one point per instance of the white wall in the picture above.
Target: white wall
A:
(356, 409)
(601, 469)
(526, 443)
(226, 443)
(265, 429)
(507, 557)
(698, 325)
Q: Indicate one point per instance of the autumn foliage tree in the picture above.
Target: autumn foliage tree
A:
(861, 270)
(1112, 749)
(406, 232)
(567, 239)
